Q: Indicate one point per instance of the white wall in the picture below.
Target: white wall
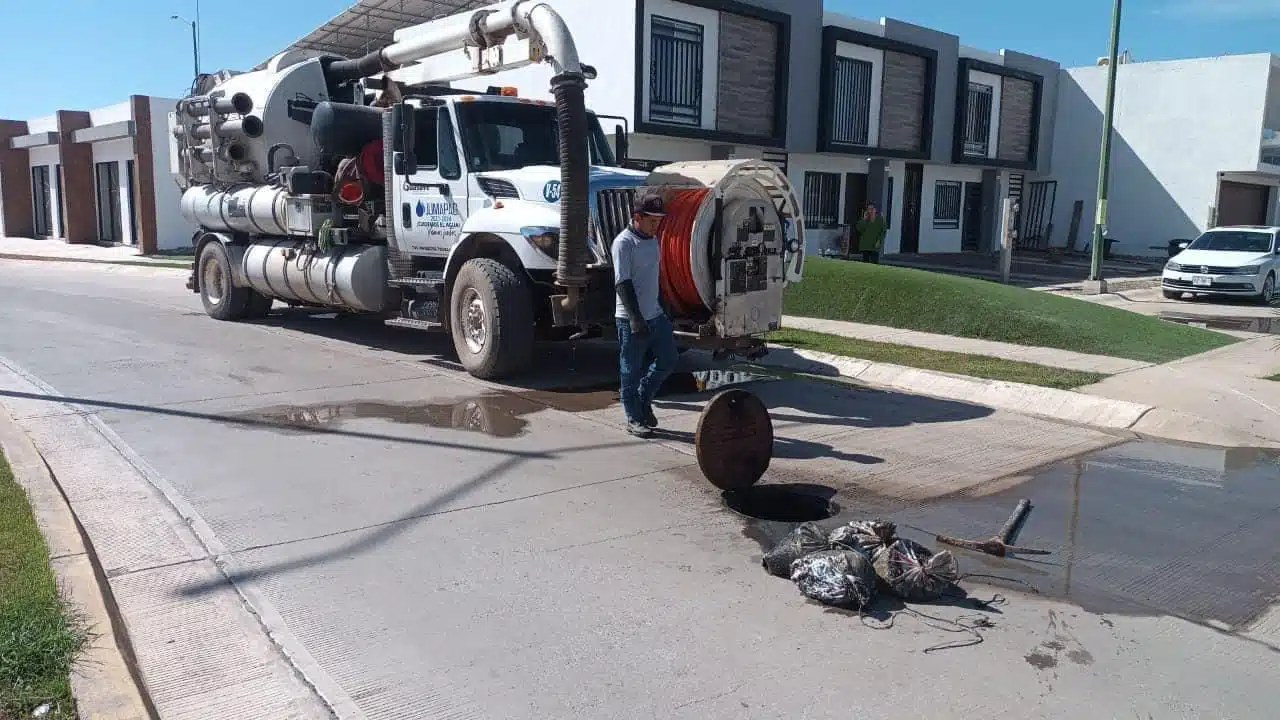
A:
(172, 230)
(119, 151)
(940, 240)
(655, 147)
(46, 123)
(609, 47)
(112, 113)
(1177, 124)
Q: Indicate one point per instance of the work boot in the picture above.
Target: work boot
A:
(638, 430)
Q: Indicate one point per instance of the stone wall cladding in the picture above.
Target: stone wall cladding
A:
(748, 75)
(902, 101)
(1017, 99)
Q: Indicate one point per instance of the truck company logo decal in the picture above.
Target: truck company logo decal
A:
(551, 191)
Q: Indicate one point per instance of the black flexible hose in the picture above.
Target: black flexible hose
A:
(361, 67)
(575, 179)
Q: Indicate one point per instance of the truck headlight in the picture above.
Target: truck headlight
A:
(546, 239)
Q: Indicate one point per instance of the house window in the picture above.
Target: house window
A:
(946, 205)
(852, 102)
(675, 72)
(821, 199)
(977, 120)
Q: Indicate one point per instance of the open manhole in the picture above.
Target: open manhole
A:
(783, 503)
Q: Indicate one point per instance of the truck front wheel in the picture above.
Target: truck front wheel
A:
(222, 300)
(491, 319)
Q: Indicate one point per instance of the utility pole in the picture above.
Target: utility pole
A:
(195, 37)
(1104, 164)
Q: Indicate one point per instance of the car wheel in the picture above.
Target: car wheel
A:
(1268, 289)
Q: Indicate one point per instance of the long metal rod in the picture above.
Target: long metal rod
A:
(196, 33)
(1104, 163)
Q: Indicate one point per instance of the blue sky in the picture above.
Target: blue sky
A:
(105, 50)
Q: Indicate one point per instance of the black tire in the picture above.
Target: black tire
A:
(259, 305)
(498, 341)
(1268, 294)
(222, 300)
(1172, 295)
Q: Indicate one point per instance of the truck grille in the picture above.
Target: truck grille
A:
(610, 216)
(498, 189)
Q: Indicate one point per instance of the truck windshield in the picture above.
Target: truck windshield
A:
(1233, 241)
(508, 136)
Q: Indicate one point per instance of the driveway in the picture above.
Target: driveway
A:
(1236, 316)
(306, 518)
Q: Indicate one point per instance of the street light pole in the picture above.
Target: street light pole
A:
(195, 36)
(1104, 164)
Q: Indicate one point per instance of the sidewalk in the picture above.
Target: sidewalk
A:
(1051, 357)
(1224, 386)
(17, 248)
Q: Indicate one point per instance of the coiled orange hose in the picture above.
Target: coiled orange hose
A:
(675, 235)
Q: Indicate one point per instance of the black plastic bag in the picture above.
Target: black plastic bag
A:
(805, 539)
(866, 536)
(914, 572)
(842, 578)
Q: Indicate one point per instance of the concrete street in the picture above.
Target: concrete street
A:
(310, 517)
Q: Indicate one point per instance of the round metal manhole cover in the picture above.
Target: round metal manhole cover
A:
(734, 441)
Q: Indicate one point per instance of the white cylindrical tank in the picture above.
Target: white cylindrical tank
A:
(348, 276)
(251, 209)
(745, 187)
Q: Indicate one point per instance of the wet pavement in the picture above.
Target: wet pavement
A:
(1242, 323)
(1143, 528)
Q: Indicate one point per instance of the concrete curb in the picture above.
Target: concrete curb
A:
(139, 262)
(102, 682)
(1063, 405)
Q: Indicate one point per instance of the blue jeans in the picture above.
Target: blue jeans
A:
(639, 384)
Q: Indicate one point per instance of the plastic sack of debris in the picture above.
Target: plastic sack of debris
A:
(866, 536)
(805, 539)
(914, 572)
(843, 578)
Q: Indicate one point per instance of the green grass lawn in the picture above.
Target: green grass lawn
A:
(965, 307)
(925, 359)
(39, 640)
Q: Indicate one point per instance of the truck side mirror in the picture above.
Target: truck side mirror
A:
(620, 144)
(403, 124)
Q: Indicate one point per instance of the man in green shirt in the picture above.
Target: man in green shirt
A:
(871, 229)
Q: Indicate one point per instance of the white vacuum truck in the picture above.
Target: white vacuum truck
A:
(372, 186)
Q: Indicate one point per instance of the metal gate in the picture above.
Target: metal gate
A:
(1037, 215)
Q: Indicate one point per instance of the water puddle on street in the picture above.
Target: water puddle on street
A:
(1244, 323)
(1143, 528)
(497, 414)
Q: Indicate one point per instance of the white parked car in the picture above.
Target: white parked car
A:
(1239, 260)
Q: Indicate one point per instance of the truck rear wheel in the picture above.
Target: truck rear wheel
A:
(491, 319)
(222, 300)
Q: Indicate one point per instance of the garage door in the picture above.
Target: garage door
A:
(1242, 204)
